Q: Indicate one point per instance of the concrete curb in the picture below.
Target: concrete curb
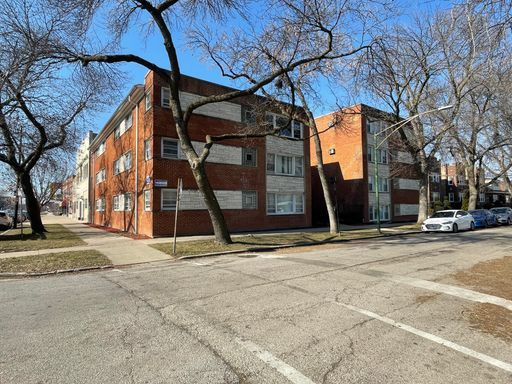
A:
(56, 272)
(284, 246)
(237, 251)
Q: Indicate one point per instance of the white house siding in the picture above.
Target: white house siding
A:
(222, 154)
(404, 157)
(81, 203)
(222, 110)
(384, 198)
(191, 199)
(280, 183)
(411, 184)
(406, 209)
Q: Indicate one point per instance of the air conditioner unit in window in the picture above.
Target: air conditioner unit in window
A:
(332, 151)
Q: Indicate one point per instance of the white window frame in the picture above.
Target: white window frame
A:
(450, 180)
(461, 196)
(116, 203)
(147, 200)
(451, 197)
(147, 149)
(297, 201)
(178, 153)
(435, 177)
(384, 213)
(162, 192)
(101, 149)
(100, 176)
(127, 201)
(481, 197)
(147, 101)
(296, 164)
(293, 125)
(163, 98)
(371, 183)
(121, 164)
(100, 204)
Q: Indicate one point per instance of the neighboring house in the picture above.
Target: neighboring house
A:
(136, 160)
(67, 196)
(81, 185)
(348, 154)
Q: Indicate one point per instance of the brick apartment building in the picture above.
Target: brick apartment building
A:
(136, 160)
(347, 146)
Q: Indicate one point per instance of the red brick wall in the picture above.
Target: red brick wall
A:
(157, 123)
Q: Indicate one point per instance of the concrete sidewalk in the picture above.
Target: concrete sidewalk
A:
(119, 249)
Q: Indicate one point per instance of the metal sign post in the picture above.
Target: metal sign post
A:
(178, 195)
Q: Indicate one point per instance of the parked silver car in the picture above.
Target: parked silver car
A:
(5, 220)
(503, 214)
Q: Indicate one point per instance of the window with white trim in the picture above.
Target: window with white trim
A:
(370, 153)
(170, 148)
(147, 200)
(450, 180)
(147, 149)
(123, 126)
(127, 202)
(100, 204)
(482, 197)
(285, 203)
(435, 177)
(384, 213)
(382, 156)
(451, 197)
(124, 163)
(100, 149)
(285, 165)
(383, 184)
(249, 200)
(461, 195)
(248, 115)
(116, 204)
(166, 97)
(147, 101)
(100, 176)
(287, 127)
(168, 199)
(370, 183)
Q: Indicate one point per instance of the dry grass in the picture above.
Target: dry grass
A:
(56, 237)
(54, 261)
(491, 277)
(249, 242)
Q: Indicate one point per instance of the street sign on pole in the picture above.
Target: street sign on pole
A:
(179, 189)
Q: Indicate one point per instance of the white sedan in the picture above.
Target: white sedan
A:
(449, 221)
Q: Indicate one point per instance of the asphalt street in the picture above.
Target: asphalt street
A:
(379, 311)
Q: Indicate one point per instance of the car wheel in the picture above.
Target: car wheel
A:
(455, 228)
(472, 226)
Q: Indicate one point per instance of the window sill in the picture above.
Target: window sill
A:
(284, 214)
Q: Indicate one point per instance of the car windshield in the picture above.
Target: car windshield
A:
(443, 214)
(477, 213)
(499, 210)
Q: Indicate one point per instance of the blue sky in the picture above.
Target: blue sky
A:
(151, 48)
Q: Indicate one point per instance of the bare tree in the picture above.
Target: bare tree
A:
(40, 97)
(474, 57)
(402, 70)
(295, 22)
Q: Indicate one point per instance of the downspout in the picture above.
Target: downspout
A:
(136, 197)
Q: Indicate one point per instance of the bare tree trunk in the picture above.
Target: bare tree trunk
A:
(333, 220)
(423, 199)
(220, 228)
(33, 209)
(473, 190)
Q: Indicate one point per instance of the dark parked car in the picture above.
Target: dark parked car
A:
(483, 218)
(503, 215)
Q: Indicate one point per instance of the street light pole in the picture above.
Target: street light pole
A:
(395, 127)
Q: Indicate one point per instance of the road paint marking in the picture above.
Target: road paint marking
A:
(436, 339)
(452, 290)
(286, 370)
